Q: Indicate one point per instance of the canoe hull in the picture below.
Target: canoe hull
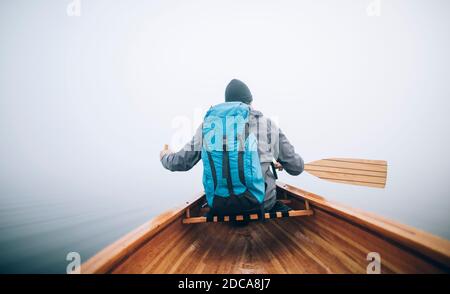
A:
(335, 239)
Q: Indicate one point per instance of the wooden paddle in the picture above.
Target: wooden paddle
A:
(362, 172)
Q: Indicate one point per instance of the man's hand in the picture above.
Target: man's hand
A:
(165, 151)
(278, 165)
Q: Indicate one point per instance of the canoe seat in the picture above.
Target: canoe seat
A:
(246, 217)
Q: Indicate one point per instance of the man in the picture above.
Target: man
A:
(272, 145)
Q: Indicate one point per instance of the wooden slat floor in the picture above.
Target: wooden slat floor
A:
(321, 243)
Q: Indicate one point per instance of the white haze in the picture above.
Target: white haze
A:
(86, 104)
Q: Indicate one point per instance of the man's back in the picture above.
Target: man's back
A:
(271, 141)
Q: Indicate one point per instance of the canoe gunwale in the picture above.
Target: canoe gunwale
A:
(430, 246)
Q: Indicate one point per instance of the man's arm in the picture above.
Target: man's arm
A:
(291, 161)
(186, 158)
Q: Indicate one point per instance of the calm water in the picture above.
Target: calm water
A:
(36, 236)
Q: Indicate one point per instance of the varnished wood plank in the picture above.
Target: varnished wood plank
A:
(357, 183)
(155, 251)
(290, 255)
(357, 242)
(349, 171)
(355, 165)
(319, 249)
(366, 161)
(432, 246)
(348, 177)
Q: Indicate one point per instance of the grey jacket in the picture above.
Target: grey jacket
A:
(272, 144)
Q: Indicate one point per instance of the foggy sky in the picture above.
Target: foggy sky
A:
(87, 102)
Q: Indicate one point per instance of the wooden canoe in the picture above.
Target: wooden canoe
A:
(335, 239)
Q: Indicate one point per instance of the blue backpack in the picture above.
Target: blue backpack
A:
(232, 176)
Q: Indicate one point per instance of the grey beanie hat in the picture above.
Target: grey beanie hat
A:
(238, 91)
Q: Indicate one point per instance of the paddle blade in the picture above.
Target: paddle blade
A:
(362, 172)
